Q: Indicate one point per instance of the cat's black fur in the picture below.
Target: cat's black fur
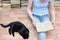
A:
(19, 27)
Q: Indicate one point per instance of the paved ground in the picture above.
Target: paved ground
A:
(7, 16)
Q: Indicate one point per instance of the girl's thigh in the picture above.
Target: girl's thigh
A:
(36, 18)
(45, 18)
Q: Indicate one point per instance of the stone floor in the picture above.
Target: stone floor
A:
(7, 16)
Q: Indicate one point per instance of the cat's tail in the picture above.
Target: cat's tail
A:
(5, 25)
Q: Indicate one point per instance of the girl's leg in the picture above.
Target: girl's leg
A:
(41, 35)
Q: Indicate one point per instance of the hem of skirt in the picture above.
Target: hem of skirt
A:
(46, 30)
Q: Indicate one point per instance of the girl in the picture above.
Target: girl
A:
(41, 12)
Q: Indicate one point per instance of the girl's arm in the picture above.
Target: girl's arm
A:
(52, 11)
(29, 9)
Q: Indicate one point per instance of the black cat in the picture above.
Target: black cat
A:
(19, 27)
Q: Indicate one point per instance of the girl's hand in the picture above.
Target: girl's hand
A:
(53, 22)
